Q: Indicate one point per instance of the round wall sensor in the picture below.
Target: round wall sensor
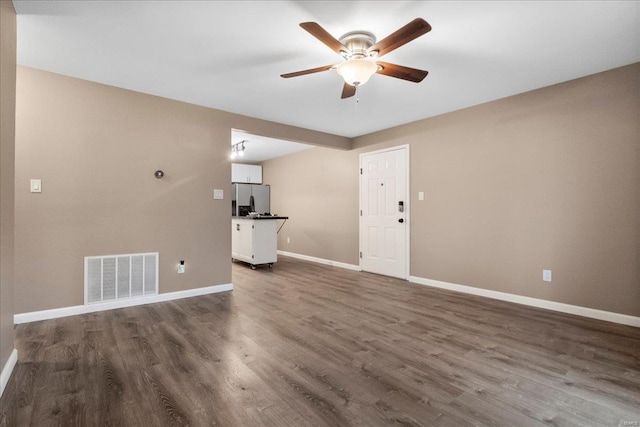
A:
(159, 174)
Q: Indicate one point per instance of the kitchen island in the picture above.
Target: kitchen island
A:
(254, 240)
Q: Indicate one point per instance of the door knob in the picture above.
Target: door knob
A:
(401, 220)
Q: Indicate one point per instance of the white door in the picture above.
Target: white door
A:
(384, 212)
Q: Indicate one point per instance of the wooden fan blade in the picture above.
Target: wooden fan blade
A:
(404, 35)
(321, 34)
(309, 71)
(348, 91)
(401, 72)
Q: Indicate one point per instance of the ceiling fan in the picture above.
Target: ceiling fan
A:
(358, 48)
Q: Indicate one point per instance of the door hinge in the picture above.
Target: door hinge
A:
(360, 212)
(360, 171)
(253, 226)
(253, 256)
(360, 254)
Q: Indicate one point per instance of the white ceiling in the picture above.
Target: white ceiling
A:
(260, 148)
(229, 54)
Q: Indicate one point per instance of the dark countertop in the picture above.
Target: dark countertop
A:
(262, 217)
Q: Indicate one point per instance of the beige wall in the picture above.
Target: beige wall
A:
(96, 149)
(7, 152)
(318, 190)
(549, 179)
(543, 180)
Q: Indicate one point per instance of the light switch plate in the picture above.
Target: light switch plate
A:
(421, 195)
(36, 186)
(218, 194)
(546, 275)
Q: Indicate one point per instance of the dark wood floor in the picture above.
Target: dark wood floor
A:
(310, 345)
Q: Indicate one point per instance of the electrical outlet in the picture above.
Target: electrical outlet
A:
(546, 275)
(181, 267)
(288, 240)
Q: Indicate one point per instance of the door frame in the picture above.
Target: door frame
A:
(407, 204)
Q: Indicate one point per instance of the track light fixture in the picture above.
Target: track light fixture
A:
(237, 149)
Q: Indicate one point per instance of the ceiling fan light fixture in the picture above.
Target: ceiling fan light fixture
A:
(357, 72)
(361, 50)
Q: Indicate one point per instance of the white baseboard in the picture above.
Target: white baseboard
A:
(593, 313)
(7, 370)
(55, 313)
(321, 260)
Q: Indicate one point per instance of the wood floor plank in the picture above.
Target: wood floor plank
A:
(305, 344)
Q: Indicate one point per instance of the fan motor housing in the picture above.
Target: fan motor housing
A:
(357, 42)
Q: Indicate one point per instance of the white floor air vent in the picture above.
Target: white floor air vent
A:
(116, 277)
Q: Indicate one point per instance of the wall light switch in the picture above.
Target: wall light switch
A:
(421, 195)
(218, 194)
(546, 275)
(36, 186)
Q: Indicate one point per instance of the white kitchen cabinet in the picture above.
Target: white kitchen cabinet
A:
(254, 241)
(251, 174)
